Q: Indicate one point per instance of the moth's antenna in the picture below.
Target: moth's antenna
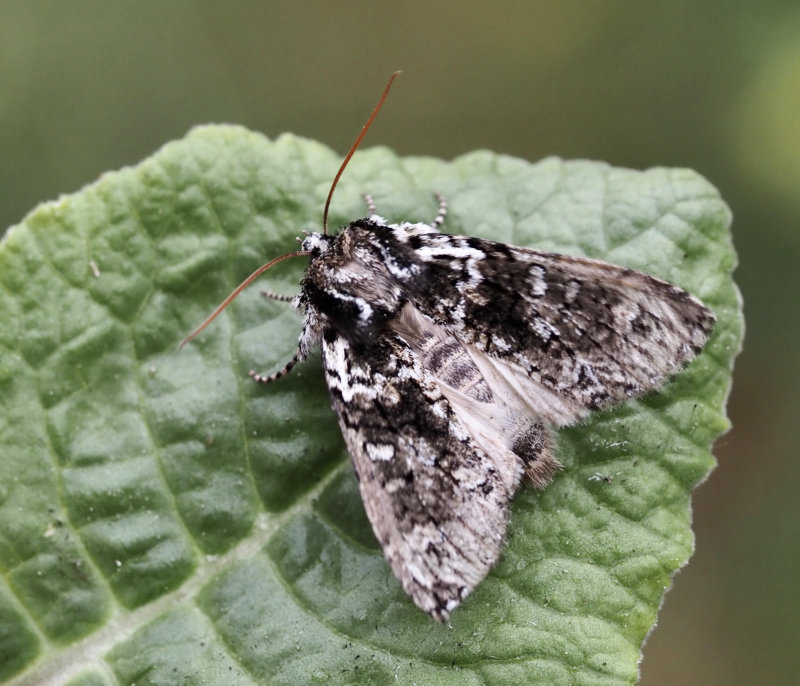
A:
(353, 149)
(298, 253)
(258, 272)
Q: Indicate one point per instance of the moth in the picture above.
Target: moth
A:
(451, 360)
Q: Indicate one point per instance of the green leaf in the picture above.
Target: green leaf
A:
(165, 520)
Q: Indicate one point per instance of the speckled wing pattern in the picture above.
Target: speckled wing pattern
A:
(449, 359)
(590, 331)
(436, 500)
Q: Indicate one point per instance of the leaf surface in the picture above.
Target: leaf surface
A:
(165, 520)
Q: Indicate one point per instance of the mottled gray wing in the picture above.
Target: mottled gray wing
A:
(588, 330)
(437, 502)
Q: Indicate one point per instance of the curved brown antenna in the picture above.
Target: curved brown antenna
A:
(354, 147)
(298, 253)
(258, 272)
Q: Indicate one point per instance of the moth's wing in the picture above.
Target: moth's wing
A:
(499, 405)
(437, 502)
(590, 331)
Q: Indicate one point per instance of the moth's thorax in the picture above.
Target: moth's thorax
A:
(355, 282)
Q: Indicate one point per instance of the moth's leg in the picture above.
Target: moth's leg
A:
(269, 378)
(278, 296)
(370, 204)
(438, 220)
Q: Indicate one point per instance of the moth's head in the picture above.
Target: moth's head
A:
(316, 244)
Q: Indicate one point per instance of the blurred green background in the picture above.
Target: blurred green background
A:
(88, 86)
